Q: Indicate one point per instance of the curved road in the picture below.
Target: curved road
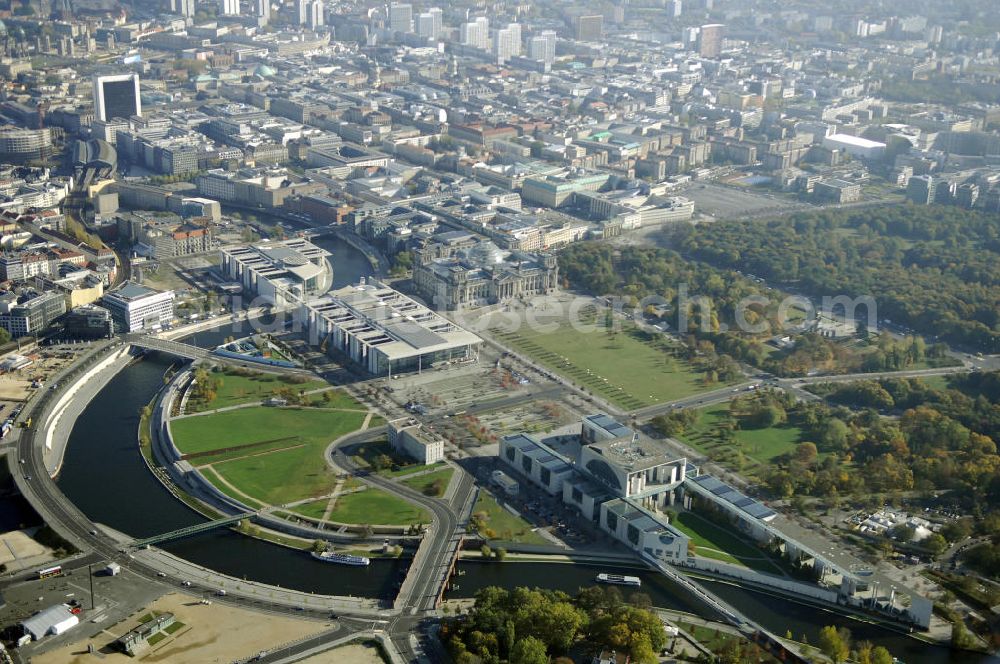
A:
(419, 594)
(431, 565)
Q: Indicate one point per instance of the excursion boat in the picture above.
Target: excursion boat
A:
(619, 580)
(342, 558)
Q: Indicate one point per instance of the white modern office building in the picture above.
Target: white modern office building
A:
(280, 272)
(401, 17)
(507, 43)
(543, 47)
(476, 33)
(135, 308)
(407, 436)
(385, 331)
(614, 491)
(855, 146)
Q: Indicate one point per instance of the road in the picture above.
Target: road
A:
(431, 565)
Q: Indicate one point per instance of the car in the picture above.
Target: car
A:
(161, 574)
(186, 584)
(93, 532)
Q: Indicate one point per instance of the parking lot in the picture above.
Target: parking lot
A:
(547, 512)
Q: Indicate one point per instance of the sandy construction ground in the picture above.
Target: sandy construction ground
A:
(18, 550)
(354, 653)
(212, 634)
(14, 387)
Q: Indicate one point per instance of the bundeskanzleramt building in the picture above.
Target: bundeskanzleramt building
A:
(617, 481)
(385, 331)
(407, 436)
(134, 307)
(482, 274)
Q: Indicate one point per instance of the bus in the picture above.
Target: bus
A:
(50, 571)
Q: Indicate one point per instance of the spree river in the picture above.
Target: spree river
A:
(106, 477)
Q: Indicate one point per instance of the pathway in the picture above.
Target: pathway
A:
(333, 499)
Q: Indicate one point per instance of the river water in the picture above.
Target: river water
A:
(104, 474)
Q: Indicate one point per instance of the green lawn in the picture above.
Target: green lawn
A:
(213, 477)
(374, 506)
(425, 483)
(336, 399)
(505, 525)
(274, 478)
(761, 445)
(631, 369)
(718, 543)
(313, 510)
(237, 389)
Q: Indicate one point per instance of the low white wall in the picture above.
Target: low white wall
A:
(69, 393)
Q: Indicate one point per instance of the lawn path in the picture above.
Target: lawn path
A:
(333, 500)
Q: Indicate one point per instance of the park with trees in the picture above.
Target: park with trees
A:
(930, 268)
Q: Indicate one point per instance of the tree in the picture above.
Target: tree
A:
(957, 530)
(961, 638)
(806, 453)
(500, 553)
(881, 656)
(318, 546)
(485, 551)
(529, 650)
(382, 462)
(833, 644)
(935, 543)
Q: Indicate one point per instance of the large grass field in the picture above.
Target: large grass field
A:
(374, 506)
(272, 454)
(505, 525)
(213, 477)
(236, 389)
(761, 446)
(718, 543)
(631, 368)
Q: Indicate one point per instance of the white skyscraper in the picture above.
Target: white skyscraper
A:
(424, 25)
(317, 15)
(229, 7)
(302, 11)
(429, 23)
(507, 43)
(438, 16)
(543, 47)
(401, 17)
(476, 33)
(264, 11)
(183, 7)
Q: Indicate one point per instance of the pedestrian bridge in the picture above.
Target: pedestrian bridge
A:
(177, 348)
(191, 530)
